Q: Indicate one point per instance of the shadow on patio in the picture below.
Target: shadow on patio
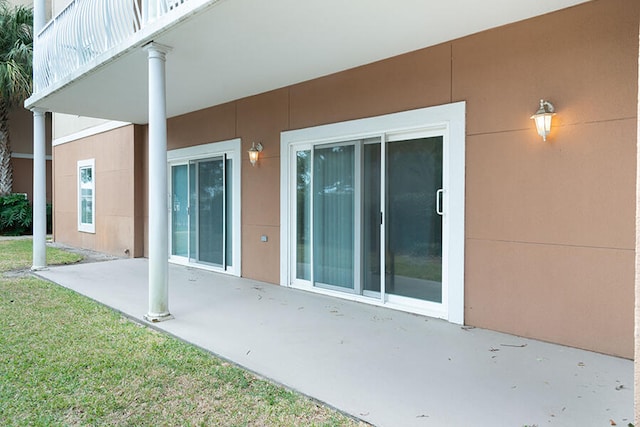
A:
(386, 367)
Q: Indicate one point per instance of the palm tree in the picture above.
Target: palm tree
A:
(16, 49)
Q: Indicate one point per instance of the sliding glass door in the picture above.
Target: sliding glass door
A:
(202, 213)
(368, 217)
(372, 210)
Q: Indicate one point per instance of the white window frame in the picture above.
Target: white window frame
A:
(233, 150)
(447, 120)
(84, 226)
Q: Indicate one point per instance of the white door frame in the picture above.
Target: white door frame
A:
(232, 149)
(447, 120)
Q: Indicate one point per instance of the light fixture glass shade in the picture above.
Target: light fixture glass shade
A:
(542, 118)
(254, 152)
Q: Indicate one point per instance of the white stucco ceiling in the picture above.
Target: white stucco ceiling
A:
(230, 49)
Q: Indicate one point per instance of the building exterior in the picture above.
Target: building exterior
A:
(401, 169)
(21, 138)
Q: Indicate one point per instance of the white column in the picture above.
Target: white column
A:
(39, 17)
(158, 192)
(39, 160)
(39, 190)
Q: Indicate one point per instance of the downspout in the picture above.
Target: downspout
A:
(636, 364)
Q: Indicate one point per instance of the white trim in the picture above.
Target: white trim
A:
(94, 130)
(28, 156)
(82, 226)
(447, 120)
(233, 150)
(213, 148)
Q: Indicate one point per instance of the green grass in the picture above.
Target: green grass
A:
(17, 255)
(68, 361)
(418, 267)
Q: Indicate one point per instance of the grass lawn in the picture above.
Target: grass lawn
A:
(17, 255)
(68, 361)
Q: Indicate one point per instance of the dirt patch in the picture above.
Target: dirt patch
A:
(87, 255)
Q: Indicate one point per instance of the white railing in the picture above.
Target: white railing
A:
(87, 28)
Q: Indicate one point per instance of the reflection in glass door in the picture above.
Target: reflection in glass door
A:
(413, 253)
(180, 210)
(202, 211)
(353, 236)
(372, 210)
(333, 216)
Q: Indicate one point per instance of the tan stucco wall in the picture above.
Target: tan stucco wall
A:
(117, 155)
(21, 131)
(58, 5)
(550, 226)
(23, 177)
(29, 3)
(21, 140)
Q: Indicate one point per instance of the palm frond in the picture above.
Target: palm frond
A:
(16, 52)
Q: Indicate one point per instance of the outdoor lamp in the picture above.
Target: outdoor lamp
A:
(254, 151)
(543, 117)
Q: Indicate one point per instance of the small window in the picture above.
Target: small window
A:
(86, 196)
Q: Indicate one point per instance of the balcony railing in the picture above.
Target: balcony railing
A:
(86, 29)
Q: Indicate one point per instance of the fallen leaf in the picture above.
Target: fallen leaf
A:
(514, 345)
(613, 423)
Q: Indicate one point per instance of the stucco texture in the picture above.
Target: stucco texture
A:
(549, 225)
(118, 224)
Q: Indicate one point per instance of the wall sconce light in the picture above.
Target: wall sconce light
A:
(254, 152)
(542, 117)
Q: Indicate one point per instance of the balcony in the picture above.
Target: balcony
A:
(89, 59)
(84, 30)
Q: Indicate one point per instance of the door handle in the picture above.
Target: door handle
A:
(439, 193)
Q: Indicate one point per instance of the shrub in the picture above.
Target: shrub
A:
(49, 218)
(15, 214)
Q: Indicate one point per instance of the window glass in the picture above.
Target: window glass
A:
(86, 196)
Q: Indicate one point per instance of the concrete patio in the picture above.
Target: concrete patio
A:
(386, 367)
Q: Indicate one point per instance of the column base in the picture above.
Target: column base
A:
(39, 268)
(156, 318)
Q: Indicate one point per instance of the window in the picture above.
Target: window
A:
(86, 196)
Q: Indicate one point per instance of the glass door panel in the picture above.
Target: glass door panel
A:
(193, 218)
(211, 211)
(371, 220)
(180, 211)
(228, 213)
(333, 216)
(303, 217)
(413, 227)
(202, 211)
